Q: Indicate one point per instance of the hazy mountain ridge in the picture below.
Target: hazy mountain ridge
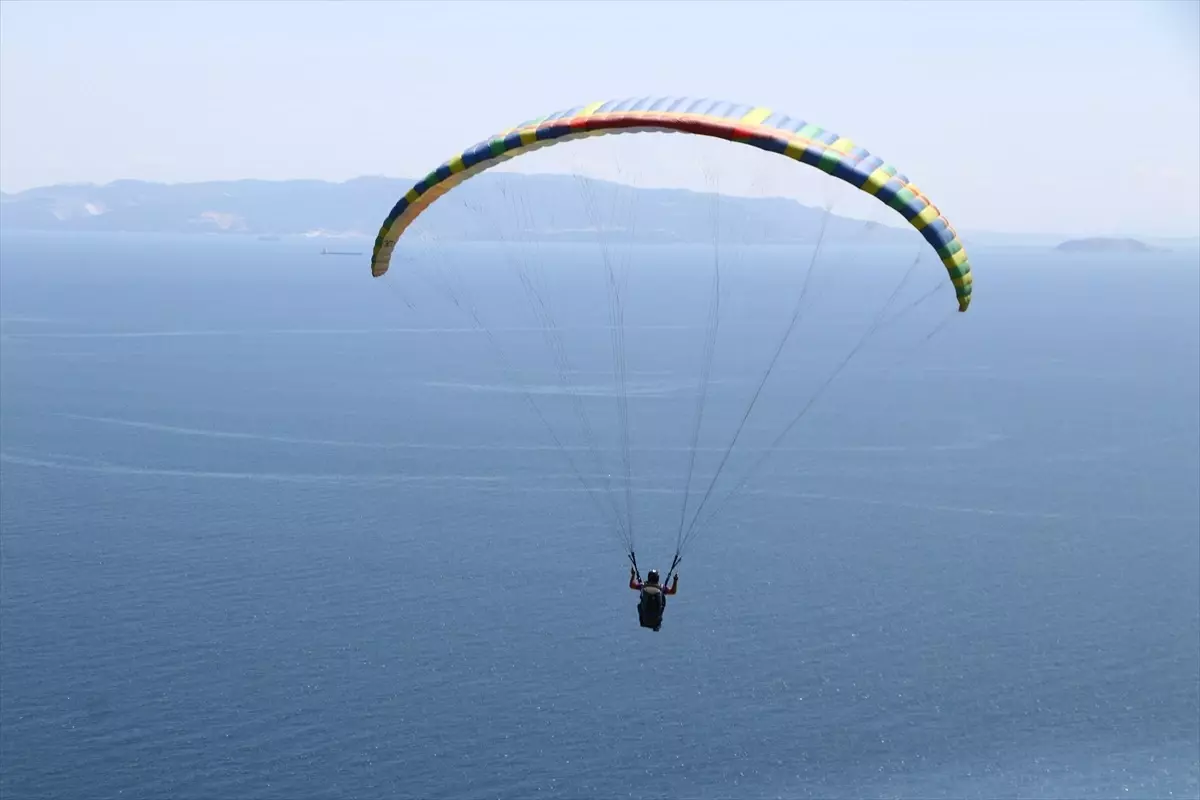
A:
(491, 206)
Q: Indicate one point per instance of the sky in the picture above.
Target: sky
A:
(1040, 117)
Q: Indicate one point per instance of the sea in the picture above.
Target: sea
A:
(273, 528)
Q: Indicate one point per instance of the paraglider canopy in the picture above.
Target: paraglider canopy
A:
(752, 125)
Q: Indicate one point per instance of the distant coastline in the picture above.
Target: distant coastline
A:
(552, 210)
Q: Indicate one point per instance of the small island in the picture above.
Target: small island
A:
(1105, 245)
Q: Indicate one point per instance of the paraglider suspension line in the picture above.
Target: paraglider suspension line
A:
(674, 563)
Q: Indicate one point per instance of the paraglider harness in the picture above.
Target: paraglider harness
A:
(652, 601)
(651, 605)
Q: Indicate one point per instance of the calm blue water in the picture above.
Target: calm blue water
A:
(269, 532)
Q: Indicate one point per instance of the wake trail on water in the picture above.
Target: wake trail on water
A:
(971, 443)
(172, 334)
(514, 485)
(107, 468)
(647, 391)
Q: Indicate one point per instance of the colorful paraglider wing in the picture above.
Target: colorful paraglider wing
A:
(752, 125)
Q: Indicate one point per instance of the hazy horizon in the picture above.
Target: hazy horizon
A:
(284, 90)
(882, 215)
